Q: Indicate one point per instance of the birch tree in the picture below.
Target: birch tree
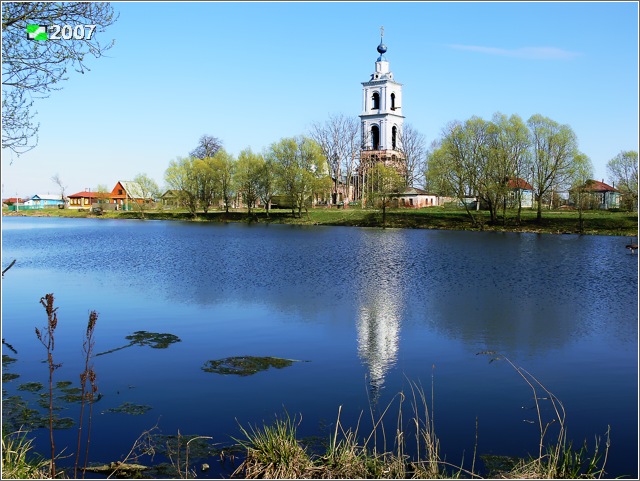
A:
(247, 177)
(554, 147)
(623, 172)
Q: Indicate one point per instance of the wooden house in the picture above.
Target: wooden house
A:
(85, 199)
(125, 193)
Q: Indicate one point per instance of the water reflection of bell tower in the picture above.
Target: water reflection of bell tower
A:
(381, 120)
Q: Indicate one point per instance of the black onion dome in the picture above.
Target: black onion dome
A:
(382, 48)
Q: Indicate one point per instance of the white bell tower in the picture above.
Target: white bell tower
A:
(381, 118)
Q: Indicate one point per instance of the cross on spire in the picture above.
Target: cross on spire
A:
(382, 31)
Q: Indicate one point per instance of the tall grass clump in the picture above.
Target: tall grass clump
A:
(407, 447)
(381, 452)
(555, 458)
(17, 461)
(274, 452)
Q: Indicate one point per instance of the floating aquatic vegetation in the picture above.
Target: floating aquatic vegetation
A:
(174, 445)
(43, 402)
(8, 376)
(16, 412)
(6, 360)
(71, 395)
(498, 465)
(119, 469)
(30, 386)
(64, 392)
(245, 365)
(155, 340)
(129, 408)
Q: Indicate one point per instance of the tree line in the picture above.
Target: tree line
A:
(294, 168)
(483, 160)
(477, 159)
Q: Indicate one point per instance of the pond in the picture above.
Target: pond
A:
(371, 312)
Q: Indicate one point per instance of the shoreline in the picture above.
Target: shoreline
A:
(622, 224)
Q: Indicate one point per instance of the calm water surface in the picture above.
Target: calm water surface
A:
(371, 310)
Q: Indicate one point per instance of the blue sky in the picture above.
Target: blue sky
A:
(253, 73)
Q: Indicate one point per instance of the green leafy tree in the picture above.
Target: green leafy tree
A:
(300, 170)
(205, 183)
(267, 182)
(581, 175)
(181, 177)
(223, 168)
(508, 142)
(623, 172)
(452, 164)
(103, 194)
(33, 69)
(515, 141)
(554, 146)
(248, 172)
(145, 192)
(384, 183)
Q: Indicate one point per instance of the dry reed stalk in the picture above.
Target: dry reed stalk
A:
(48, 341)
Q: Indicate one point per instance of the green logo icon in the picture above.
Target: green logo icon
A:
(37, 32)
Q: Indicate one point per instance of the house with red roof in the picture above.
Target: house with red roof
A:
(603, 196)
(126, 193)
(520, 188)
(84, 199)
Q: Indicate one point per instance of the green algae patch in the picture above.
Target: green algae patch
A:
(175, 446)
(498, 466)
(245, 365)
(118, 469)
(129, 408)
(16, 412)
(155, 340)
(8, 376)
(6, 360)
(30, 386)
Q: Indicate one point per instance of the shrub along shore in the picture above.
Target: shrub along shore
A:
(552, 222)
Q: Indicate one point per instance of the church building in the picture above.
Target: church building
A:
(381, 118)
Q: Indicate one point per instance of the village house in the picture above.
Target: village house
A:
(44, 201)
(414, 198)
(171, 199)
(125, 193)
(603, 196)
(519, 188)
(85, 199)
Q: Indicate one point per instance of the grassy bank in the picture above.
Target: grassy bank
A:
(553, 222)
(275, 451)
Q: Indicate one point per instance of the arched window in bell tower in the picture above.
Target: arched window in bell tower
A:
(393, 101)
(394, 136)
(375, 137)
(376, 100)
